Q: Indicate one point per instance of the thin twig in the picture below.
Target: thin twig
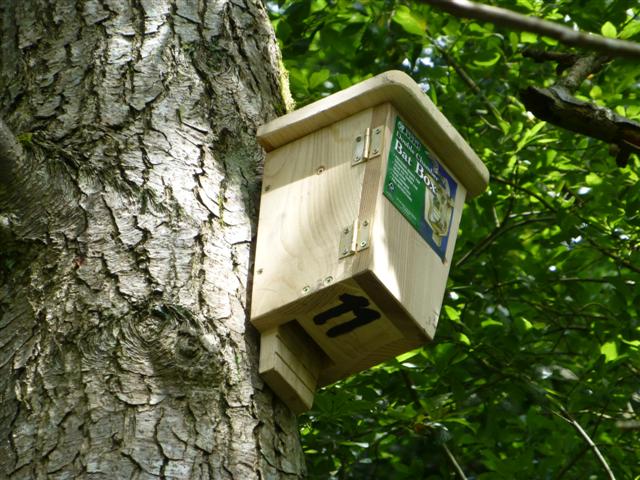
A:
(466, 78)
(455, 463)
(495, 233)
(613, 256)
(568, 36)
(573, 461)
(585, 436)
(525, 190)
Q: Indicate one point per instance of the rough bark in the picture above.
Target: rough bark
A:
(558, 106)
(125, 241)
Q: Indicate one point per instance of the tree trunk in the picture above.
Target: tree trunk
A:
(126, 239)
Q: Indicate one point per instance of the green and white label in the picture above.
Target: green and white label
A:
(420, 188)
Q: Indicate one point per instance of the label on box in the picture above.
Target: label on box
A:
(420, 188)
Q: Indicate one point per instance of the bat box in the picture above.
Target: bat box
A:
(360, 207)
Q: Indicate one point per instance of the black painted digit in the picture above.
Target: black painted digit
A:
(350, 303)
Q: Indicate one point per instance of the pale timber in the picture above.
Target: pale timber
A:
(399, 89)
(311, 193)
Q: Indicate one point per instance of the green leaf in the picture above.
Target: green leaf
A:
(526, 4)
(522, 324)
(318, 78)
(630, 30)
(593, 179)
(409, 20)
(609, 30)
(452, 27)
(452, 313)
(554, 199)
(528, 37)
(530, 134)
(488, 63)
(406, 356)
(609, 350)
(491, 323)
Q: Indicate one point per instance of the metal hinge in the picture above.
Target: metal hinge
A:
(354, 238)
(367, 145)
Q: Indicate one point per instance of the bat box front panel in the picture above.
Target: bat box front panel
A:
(311, 192)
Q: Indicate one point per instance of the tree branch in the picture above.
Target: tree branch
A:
(558, 106)
(509, 19)
(581, 68)
(585, 436)
(542, 56)
(11, 155)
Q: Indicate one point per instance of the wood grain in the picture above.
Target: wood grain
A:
(404, 94)
(324, 316)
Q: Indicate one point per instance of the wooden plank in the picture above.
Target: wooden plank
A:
(399, 89)
(310, 193)
(290, 364)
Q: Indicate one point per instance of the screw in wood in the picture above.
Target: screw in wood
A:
(319, 170)
(358, 138)
(259, 271)
(363, 244)
(306, 289)
(267, 188)
(365, 223)
(345, 251)
(328, 280)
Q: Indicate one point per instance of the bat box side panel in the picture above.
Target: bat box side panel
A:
(410, 256)
(310, 193)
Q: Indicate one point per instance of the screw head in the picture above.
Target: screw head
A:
(328, 280)
(259, 271)
(365, 223)
(345, 251)
(363, 244)
(346, 230)
(358, 138)
(320, 170)
(306, 289)
(267, 188)
(377, 130)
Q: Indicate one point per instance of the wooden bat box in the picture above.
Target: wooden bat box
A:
(361, 202)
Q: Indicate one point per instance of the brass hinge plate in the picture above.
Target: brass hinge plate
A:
(362, 239)
(354, 238)
(347, 237)
(367, 145)
(375, 143)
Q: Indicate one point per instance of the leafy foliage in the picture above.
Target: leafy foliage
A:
(540, 326)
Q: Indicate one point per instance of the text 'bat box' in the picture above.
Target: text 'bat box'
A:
(361, 202)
